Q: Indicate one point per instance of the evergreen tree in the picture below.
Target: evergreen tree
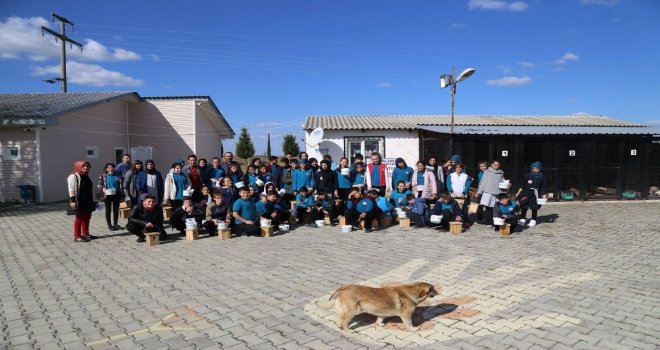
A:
(244, 146)
(268, 148)
(289, 145)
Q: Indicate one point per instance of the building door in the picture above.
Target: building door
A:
(119, 154)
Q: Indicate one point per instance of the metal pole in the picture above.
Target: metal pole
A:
(451, 127)
(62, 31)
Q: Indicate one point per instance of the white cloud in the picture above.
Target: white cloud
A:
(89, 74)
(385, 85)
(263, 124)
(569, 56)
(600, 2)
(457, 25)
(497, 5)
(510, 81)
(155, 57)
(21, 38)
(505, 69)
(526, 64)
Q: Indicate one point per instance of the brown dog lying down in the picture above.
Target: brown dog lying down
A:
(352, 300)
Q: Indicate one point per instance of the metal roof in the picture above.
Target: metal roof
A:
(208, 107)
(543, 130)
(51, 104)
(347, 122)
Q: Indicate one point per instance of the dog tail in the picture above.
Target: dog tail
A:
(328, 304)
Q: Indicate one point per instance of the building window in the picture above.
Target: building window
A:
(364, 146)
(11, 153)
(92, 152)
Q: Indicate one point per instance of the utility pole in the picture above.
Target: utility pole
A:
(64, 39)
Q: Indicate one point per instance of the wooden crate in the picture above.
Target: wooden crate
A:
(266, 231)
(455, 227)
(404, 222)
(152, 238)
(192, 234)
(167, 212)
(225, 234)
(505, 230)
(342, 220)
(124, 213)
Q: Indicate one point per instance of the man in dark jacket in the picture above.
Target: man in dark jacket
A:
(145, 218)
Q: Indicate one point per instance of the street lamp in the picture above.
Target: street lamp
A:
(451, 81)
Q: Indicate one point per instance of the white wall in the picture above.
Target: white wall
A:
(398, 143)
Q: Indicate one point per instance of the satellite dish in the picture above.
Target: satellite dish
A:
(315, 137)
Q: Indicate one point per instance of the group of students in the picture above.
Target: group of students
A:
(222, 192)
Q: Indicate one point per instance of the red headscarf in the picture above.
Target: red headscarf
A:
(77, 167)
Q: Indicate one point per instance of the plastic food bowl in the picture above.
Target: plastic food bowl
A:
(436, 219)
(346, 228)
(264, 222)
(541, 201)
(240, 185)
(320, 223)
(222, 226)
(498, 221)
(284, 228)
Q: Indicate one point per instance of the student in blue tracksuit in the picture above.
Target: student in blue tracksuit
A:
(303, 177)
(507, 210)
(402, 172)
(458, 185)
(359, 177)
(245, 215)
(360, 207)
(398, 197)
(304, 204)
(447, 207)
(211, 177)
(417, 210)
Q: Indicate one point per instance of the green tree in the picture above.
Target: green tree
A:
(268, 148)
(289, 145)
(244, 146)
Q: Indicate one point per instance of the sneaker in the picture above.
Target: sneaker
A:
(92, 236)
(532, 223)
(522, 222)
(117, 227)
(141, 239)
(112, 228)
(81, 239)
(367, 230)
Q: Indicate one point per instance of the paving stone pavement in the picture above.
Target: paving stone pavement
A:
(586, 277)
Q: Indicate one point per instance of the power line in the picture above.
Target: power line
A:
(62, 36)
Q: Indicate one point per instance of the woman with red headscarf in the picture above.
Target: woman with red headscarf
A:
(81, 195)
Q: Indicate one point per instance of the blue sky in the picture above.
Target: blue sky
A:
(269, 64)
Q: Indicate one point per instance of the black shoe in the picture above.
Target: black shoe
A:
(81, 239)
(141, 239)
(92, 236)
(367, 230)
(112, 228)
(117, 227)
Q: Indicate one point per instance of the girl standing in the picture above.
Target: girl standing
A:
(81, 198)
(112, 189)
(489, 189)
(130, 190)
(424, 182)
(532, 187)
(175, 183)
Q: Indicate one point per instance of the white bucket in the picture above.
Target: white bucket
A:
(320, 223)
(504, 185)
(264, 222)
(110, 191)
(240, 185)
(498, 221)
(187, 193)
(259, 182)
(541, 201)
(401, 214)
(346, 228)
(282, 192)
(345, 171)
(284, 228)
(222, 226)
(436, 219)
